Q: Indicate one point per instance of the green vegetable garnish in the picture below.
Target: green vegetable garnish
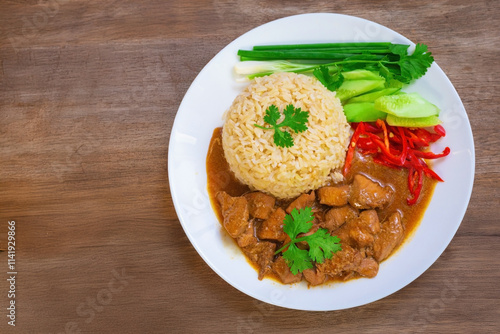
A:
(392, 61)
(332, 82)
(409, 105)
(295, 119)
(322, 245)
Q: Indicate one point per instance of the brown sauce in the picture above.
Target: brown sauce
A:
(221, 178)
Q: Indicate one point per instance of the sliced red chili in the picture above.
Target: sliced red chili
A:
(381, 124)
(430, 155)
(352, 146)
(416, 192)
(397, 147)
(366, 143)
(440, 130)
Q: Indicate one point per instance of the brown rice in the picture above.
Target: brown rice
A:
(285, 172)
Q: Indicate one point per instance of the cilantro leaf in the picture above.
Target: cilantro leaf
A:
(399, 49)
(331, 82)
(295, 119)
(415, 65)
(322, 245)
(282, 138)
(298, 222)
(297, 259)
(272, 115)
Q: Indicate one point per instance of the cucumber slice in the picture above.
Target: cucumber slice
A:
(417, 122)
(393, 83)
(362, 112)
(352, 88)
(361, 75)
(371, 97)
(406, 105)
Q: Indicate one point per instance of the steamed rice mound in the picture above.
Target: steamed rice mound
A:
(317, 152)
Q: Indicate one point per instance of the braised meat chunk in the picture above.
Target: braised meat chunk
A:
(272, 228)
(260, 205)
(360, 231)
(336, 217)
(368, 267)
(280, 268)
(368, 194)
(262, 254)
(234, 212)
(247, 238)
(314, 276)
(334, 196)
(391, 234)
(302, 201)
(349, 260)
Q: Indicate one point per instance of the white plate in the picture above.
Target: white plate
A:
(213, 91)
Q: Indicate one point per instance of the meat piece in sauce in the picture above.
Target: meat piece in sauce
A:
(360, 231)
(368, 267)
(262, 254)
(302, 201)
(367, 194)
(314, 276)
(390, 235)
(336, 217)
(349, 260)
(234, 212)
(272, 228)
(247, 238)
(260, 205)
(334, 196)
(281, 269)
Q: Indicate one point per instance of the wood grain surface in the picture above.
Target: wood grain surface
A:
(88, 94)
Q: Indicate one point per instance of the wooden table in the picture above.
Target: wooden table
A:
(88, 94)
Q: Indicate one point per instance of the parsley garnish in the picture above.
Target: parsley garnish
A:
(295, 119)
(321, 244)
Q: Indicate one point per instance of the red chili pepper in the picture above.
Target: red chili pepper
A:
(416, 192)
(424, 135)
(419, 163)
(386, 151)
(366, 144)
(414, 140)
(381, 124)
(352, 146)
(397, 147)
(411, 179)
(440, 130)
(430, 155)
(432, 174)
(371, 128)
(382, 161)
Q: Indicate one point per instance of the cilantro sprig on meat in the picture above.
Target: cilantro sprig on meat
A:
(321, 244)
(295, 119)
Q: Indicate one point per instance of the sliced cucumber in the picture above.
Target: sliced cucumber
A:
(393, 83)
(361, 75)
(416, 122)
(362, 112)
(352, 88)
(410, 105)
(371, 97)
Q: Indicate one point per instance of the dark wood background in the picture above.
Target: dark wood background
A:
(88, 94)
